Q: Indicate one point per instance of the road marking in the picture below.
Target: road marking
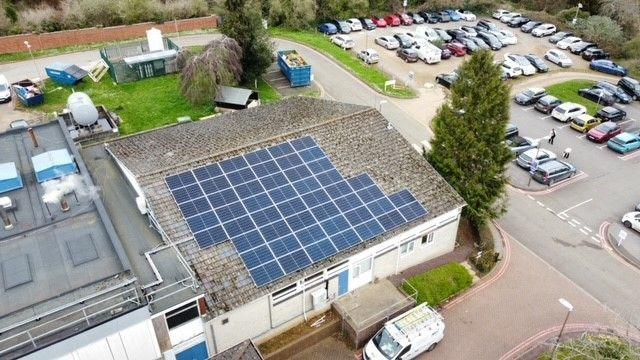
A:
(586, 228)
(584, 232)
(581, 136)
(562, 216)
(539, 203)
(602, 146)
(528, 109)
(626, 121)
(575, 206)
(418, 148)
(595, 239)
(531, 197)
(572, 224)
(629, 156)
(545, 117)
(564, 126)
(575, 221)
(551, 210)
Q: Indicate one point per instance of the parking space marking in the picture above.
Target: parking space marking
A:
(528, 108)
(564, 126)
(572, 224)
(530, 197)
(586, 228)
(562, 216)
(626, 121)
(575, 221)
(581, 175)
(584, 232)
(581, 136)
(575, 206)
(629, 156)
(595, 239)
(539, 203)
(545, 117)
(602, 146)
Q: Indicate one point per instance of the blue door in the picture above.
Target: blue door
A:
(196, 352)
(343, 282)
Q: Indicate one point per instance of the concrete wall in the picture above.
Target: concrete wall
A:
(247, 321)
(385, 264)
(444, 240)
(15, 43)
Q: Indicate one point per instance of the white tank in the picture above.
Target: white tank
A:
(154, 38)
(82, 109)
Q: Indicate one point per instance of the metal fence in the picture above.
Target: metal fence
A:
(120, 72)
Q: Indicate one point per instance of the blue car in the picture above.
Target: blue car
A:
(608, 67)
(624, 142)
(453, 14)
(328, 29)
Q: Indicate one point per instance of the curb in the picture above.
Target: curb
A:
(622, 255)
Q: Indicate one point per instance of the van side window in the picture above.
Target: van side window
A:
(403, 352)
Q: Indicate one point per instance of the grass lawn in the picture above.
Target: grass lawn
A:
(267, 93)
(370, 75)
(568, 91)
(437, 285)
(142, 105)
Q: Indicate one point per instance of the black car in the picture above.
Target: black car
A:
(343, 26)
(609, 113)
(429, 17)
(512, 130)
(537, 62)
(405, 40)
(517, 21)
(528, 27)
(559, 36)
(631, 86)
(457, 33)
(617, 92)
(408, 55)
(445, 54)
(594, 53)
(447, 80)
(529, 96)
(487, 25)
(546, 104)
(578, 48)
(443, 17)
(491, 40)
(598, 96)
(367, 23)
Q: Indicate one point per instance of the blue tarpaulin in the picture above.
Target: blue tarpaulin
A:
(53, 165)
(9, 177)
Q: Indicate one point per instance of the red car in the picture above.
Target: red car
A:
(392, 20)
(379, 21)
(456, 48)
(404, 19)
(604, 132)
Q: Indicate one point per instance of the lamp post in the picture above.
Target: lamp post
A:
(26, 43)
(575, 18)
(569, 308)
(380, 105)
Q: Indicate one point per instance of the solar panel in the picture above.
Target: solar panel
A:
(286, 207)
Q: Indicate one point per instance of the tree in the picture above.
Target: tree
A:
(243, 22)
(603, 31)
(624, 12)
(219, 64)
(468, 148)
(293, 14)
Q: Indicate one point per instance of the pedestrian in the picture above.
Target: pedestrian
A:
(552, 135)
(567, 152)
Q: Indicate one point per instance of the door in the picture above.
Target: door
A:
(196, 352)
(343, 282)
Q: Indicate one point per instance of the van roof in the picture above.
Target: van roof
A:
(410, 324)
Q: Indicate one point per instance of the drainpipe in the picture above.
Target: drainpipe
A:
(397, 258)
(304, 301)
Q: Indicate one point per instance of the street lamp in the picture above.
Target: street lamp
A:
(380, 105)
(26, 43)
(569, 308)
(534, 163)
(575, 18)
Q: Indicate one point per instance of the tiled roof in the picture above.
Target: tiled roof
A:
(246, 350)
(356, 139)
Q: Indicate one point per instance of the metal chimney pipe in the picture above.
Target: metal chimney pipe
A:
(5, 219)
(64, 205)
(32, 134)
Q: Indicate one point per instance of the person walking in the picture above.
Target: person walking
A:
(552, 135)
(567, 152)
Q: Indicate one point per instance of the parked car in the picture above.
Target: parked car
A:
(487, 25)
(632, 220)
(405, 40)
(603, 132)
(547, 103)
(537, 62)
(541, 156)
(553, 171)
(610, 113)
(392, 20)
(529, 96)
(618, 92)
(408, 55)
(481, 44)
(369, 56)
(355, 24)
(624, 142)
(594, 53)
(453, 14)
(344, 41)
(469, 30)
(445, 54)
(559, 58)
(457, 33)
(426, 32)
(467, 15)
(491, 40)
(544, 30)
(559, 36)
(443, 35)
(500, 13)
(367, 23)
(598, 96)
(447, 80)
(565, 112)
(530, 26)
(428, 53)
(519, 144)
(512, 130)
(328, 29)
(608, 67)
(506, 17)
(342, 26)
(405, 19)
(443, 17)
(456, 48)
(517, 21)
(417, 19)
(631, 86)
(379, 22)
(579, 47)
(520, 62)
(509, 70)
(5, 90)
(584, 123)
(469, 44)
(564, 43)
(429, 17)
(387, 42)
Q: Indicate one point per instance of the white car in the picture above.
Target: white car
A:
(559, 58)
(428, 53)
(506, 37)
(499, 13)
(540, 155)
(467, 15)
(425, 32)
(343, 41)
(355, 24)
(369, 56)
(510, 71)
(564, 43)
(5, 89)
(567, 111)
(544, 30)
(505, 18)
(388, 42)
(519, 61)
(632, 220)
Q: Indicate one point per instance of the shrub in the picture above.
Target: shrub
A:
(5, 24)
(480, 7)
(293, 14)
(631, 49)
(38, 19)
(485, 261)
(137, 11)
(567, 15)
(603, 31)
(184, 9)
(624, 12)
(437, 285)
(89, 13)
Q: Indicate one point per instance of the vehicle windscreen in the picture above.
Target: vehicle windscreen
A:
(386, 344)
(617, 141)
(560, 110)
(525, 158)
(528, 93)
(368, 22)
(579, 122)
(3, 87)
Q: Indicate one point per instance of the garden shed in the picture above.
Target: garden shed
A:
(236, 98)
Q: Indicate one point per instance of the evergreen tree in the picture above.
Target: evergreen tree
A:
(468, 148)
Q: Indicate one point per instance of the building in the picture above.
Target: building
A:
(283, 208)
(234, 98)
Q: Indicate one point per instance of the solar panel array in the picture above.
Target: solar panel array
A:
(286, 207)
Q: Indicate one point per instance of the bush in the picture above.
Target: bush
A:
(137, 11)
(567, 15)
(437, 285)
(293, 14)
(38, 19)
(5, 24)
(184, 9)
(595, 347)
(603, 31)
(89, 13)
(624, 12)
(631, 49)
(486, 260)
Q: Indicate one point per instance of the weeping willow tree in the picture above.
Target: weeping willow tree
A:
(220, 63)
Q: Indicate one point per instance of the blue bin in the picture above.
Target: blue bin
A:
(65, 74)
(298, 73)
(28, 93)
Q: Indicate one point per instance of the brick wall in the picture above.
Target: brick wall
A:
(15, 43)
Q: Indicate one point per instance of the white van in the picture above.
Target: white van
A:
(406, 336)
(428, 53)
(426, 32)
(5, 89)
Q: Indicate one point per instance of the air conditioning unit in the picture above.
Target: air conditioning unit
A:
(319, 298)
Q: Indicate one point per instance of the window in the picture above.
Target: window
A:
(361, 267)
(427, 239)
(407, 248)
(182, 314)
